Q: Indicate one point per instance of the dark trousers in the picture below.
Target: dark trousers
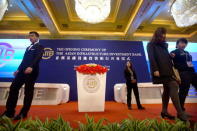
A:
(19, 80)
(194, 80)
(187, 78)
(133, 86)
(171, 91)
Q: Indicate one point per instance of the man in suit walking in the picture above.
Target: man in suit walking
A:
(27, 74)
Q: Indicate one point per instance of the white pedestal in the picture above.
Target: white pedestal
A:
(44, 93)
(149, 93)
(91, 92)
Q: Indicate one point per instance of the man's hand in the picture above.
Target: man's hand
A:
(133, 81)
(15, 73)
(172, 55)
(156, 73)
(28, 70)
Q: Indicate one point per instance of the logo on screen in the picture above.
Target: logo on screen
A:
(6, 53)
(48, 53)
(91, 84)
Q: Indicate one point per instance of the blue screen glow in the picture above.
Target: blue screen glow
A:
(11, 55)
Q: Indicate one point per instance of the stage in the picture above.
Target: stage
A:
(114, 112)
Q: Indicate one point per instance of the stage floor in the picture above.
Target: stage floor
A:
(114, 112)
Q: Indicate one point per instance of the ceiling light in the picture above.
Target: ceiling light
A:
(93, 11)
(3, 8)
(184, 12)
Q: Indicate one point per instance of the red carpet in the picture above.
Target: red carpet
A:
(114, 112)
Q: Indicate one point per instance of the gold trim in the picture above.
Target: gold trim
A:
(22, 32)
(16, 18)
(117, 7)
(163, 22)
(63, 32)
(50, 14)
(85, 33)
(92, 33)
(136, 10)
(74, 18)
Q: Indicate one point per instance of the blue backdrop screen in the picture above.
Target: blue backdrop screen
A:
(61, 56)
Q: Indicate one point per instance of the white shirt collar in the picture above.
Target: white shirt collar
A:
(36, 42)
(33, 44)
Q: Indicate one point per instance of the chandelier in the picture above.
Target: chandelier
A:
(184, 12)
(93, 11)
(3, 8)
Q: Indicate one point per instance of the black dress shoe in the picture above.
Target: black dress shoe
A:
(5, 114)
(129, 108)
(2, 115)
(188, 115)
(19, 117)
(141, 108)
(167, 115)
(183, 117)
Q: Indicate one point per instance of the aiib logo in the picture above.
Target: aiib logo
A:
(91, 83)
(48, 53)
(6, 53)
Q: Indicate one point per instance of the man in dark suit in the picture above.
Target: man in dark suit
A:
(27, 74)
(183, 62)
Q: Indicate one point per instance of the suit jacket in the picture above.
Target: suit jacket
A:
(180, 60)
(32, 58)
(160, 60)
(128, 75)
